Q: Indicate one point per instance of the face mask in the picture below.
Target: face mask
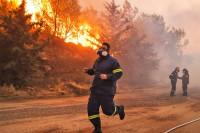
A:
(102, 53)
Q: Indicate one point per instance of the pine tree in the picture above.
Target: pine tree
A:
(114, 27)
(20, 47)
(63, 17)
(168, 41)
(129, 12)
(129, 43)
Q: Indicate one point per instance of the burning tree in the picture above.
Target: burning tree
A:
(134, 39)
(63, 15)
(21, 50)
(20, 47)
(63, 18)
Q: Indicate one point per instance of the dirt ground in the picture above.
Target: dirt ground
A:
(148, 110)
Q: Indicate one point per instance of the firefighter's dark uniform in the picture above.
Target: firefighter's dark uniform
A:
(185, 82)
(173, 77)
(103, 91)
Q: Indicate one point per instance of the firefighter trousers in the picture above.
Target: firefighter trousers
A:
(185, 89)
(173, 87)
(107, 105)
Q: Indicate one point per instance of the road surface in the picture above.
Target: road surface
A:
(148, 110)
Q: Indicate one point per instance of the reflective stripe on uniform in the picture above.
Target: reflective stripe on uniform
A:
(172, 74)
(114, 111)
(117, 70)
(173, 91)
(94, 116)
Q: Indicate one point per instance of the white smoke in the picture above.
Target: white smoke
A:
(180, 14)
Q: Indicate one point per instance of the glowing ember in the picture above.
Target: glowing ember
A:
(77, 35)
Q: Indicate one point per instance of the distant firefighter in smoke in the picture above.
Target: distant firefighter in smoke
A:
(106, 71)
(173, 76)
(185, 81)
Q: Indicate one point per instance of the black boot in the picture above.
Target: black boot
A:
(97, 129)
(121, 112)
(185, 94)
(172, 94)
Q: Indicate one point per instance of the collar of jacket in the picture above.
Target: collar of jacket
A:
(103, 57)
(175, 71)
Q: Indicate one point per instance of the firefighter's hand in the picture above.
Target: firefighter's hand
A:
(103, 76)
(85, 70)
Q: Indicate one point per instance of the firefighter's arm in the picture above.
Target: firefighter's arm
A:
(171, 76)
(90, 71)
(187, 78)
(116, 73)
(180, 77)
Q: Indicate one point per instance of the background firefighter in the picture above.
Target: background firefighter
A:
(185, 81)
(106, 71)
(173, 76)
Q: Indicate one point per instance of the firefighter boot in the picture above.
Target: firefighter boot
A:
(97, 129)
(121, 112)
(172, 94)
(185, 94)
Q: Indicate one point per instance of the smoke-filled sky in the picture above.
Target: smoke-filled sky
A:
(179, 13)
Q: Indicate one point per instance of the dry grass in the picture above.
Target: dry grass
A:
(7, 90)
(61, 89)
(71, 87)
(79, 89)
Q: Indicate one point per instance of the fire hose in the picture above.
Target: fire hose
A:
(182, 125)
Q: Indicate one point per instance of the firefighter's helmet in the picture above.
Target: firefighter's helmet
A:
(185, 70)
(177, 68)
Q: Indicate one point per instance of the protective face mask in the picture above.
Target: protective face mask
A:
(102, 53)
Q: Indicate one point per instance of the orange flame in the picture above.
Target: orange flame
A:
(77, 35)
(83, 37)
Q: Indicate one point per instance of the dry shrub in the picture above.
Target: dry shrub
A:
(31, 91)
(79, 89)
(61, 88)
(7, 90)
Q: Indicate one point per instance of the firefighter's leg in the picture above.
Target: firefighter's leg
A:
(108, 106)
(184, 89)
(173, 88)
(93, 110)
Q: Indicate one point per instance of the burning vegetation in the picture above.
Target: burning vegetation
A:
(60, 16)
(47, 42)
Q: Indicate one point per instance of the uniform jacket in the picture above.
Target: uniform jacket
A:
(105, 65)
(185, 79)
(173, 76)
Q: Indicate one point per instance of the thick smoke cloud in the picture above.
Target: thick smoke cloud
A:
(184, 14)
(180, 14)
